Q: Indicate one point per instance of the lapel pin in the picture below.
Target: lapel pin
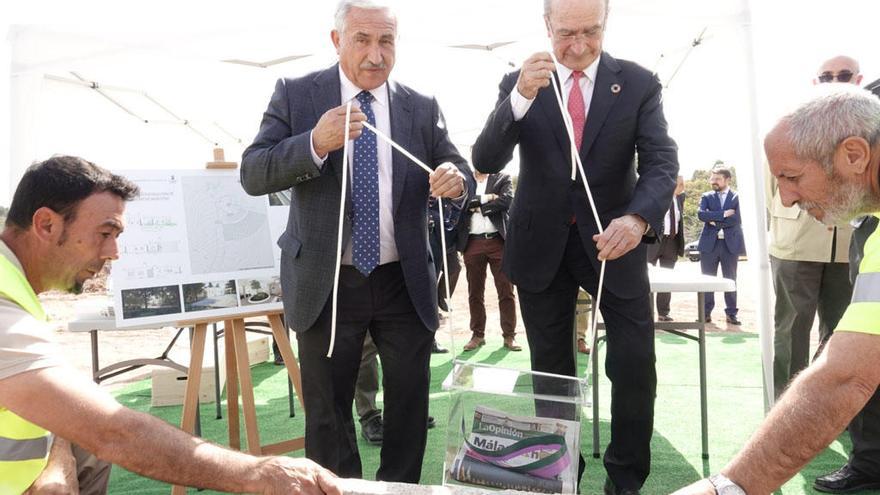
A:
(615, 88)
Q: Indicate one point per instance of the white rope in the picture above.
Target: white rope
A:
(557, 89)
(345, 146)
(424, 167)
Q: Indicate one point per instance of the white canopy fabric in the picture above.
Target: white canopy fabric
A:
(724, 95)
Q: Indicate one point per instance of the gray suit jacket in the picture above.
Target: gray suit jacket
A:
(280, 158)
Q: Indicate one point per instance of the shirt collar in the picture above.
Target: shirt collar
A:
(350, 91)
(591, 71)
(8, 254)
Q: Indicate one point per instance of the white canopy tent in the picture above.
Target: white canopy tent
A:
(722, 95)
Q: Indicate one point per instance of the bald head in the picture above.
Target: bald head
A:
(837, 68)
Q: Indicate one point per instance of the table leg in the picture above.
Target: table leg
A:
(247, 387)
(704, 406)
(217, 390)
(93, 335)
(193, 379)
(231, 387)
(594, 359)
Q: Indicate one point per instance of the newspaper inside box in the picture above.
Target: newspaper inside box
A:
(513, 429)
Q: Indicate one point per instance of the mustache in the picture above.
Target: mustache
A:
(371, 66)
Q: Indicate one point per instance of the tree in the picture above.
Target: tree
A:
(4, 211)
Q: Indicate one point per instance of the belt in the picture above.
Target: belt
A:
(489, 235)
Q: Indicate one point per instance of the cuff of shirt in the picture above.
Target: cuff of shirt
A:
(484, 198)
(319, 162)
(519, 104)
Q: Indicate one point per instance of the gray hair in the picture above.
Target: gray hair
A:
(345, 6)
(548, 7)
(840, 111)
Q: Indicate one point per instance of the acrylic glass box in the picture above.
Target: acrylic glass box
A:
(513, 429)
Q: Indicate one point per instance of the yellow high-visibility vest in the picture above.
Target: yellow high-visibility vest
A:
(24, 446)
(863, 313)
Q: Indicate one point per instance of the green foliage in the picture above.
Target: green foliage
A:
(694, 189)
(3, 212)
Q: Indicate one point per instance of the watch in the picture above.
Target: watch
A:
(724, 486)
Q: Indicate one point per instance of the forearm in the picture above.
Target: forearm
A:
(59, 476)
(811, 414)
(152, 448)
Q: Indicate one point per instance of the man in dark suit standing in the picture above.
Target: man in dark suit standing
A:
(721, 241)
(481, 240)
(669, 245)
(552, 245)
(387, 284)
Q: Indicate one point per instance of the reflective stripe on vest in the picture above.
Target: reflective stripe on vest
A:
(867, 288)
(24, 446)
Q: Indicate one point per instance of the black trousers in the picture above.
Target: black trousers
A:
(664, 252)
(381, 305)
(864, 430)
(629, 364)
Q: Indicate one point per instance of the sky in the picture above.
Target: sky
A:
(171, 51)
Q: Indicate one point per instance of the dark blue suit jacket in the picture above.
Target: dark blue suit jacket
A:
(280, 158)
(625, 116)
(711, 210)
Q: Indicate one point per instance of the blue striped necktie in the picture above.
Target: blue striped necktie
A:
(365, 194)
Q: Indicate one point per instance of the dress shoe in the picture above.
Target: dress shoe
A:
(845, 480)
(733, 321)
(278, 361)
(583, 348)
(371, 430)
(708, 319)
(431, 422)
(474, 343)
(511, 344)
(664, 318)
(437, 348)
(611, 489)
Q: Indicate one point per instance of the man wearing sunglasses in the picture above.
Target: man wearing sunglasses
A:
(839, 69)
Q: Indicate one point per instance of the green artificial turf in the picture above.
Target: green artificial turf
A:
(735, 410)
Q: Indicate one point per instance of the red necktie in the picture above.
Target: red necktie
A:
(576, 108)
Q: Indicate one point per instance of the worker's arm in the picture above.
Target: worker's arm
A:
(64, 402)
(810, 415)
(59, 477)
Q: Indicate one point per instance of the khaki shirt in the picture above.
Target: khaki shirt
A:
(796, 236)
(25, 343)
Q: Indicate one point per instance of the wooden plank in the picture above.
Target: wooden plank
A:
(290, 362)
(247, 386)
(231, 387)
(285, 446)
(194, 376)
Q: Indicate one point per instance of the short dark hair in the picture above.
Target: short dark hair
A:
(722, 170)
(61, 183)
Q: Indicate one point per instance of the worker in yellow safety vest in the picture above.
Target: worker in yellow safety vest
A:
(825, 157)
(61, 228)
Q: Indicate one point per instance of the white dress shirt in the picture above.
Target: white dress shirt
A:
(521, 104)
(722, 195)
(481, 224)
(382, 112)
(671, 219)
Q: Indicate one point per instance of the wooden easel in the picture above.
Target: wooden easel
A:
(238, 372)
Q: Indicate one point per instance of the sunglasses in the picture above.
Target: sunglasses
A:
(843, 76)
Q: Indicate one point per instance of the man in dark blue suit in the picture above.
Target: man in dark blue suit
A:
(721, 241)
(387, 284)
(552, 245)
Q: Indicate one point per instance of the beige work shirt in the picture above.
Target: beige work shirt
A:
(25, 343)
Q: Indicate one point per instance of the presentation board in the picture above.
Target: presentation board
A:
(197, 246)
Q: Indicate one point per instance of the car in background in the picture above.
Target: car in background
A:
(691, 252)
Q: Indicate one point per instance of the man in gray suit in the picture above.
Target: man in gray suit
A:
(387, 284)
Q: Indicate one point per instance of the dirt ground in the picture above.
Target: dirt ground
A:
(129, 344)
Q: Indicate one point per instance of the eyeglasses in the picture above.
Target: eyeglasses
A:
(567, 36)
(843, 76)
